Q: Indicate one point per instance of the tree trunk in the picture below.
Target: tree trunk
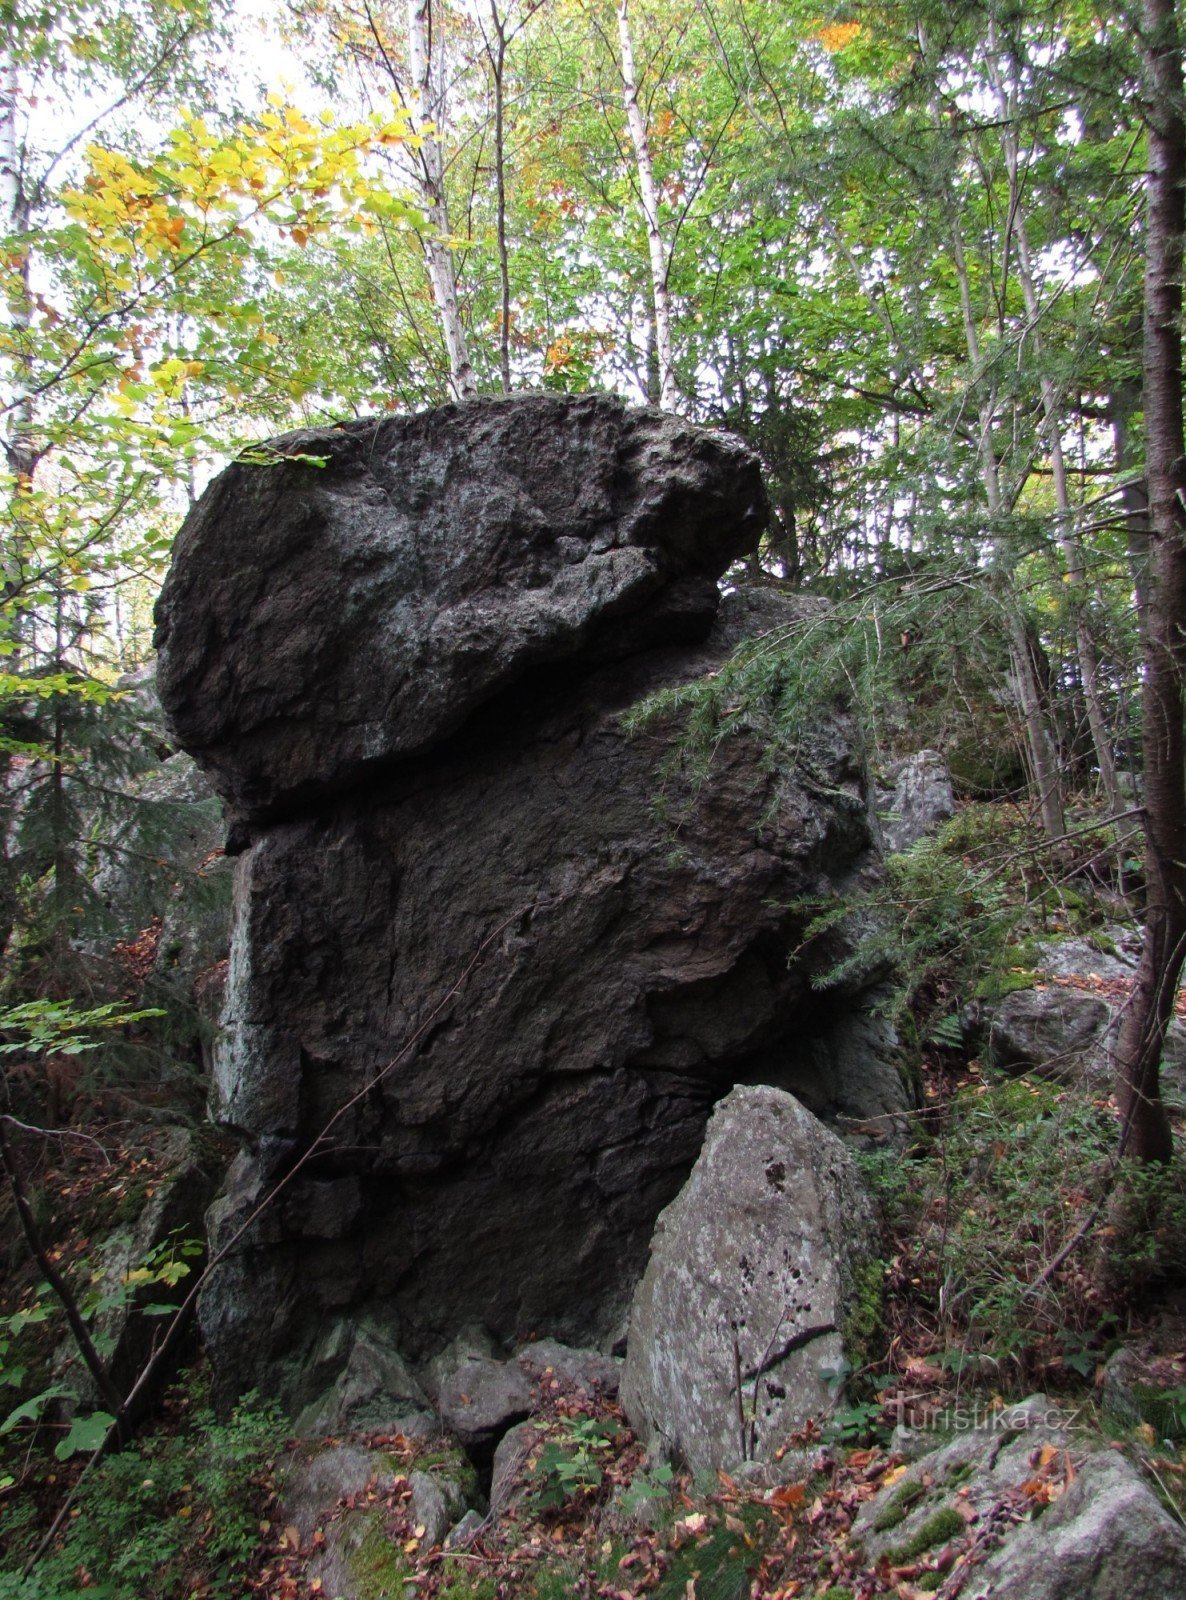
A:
(1045, 776)
(1064, 517)
(498, 58)
(442, 272)
(20, 450)
(659, 256)
(1144, 1025)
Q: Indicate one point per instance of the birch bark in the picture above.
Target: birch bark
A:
(426, 67)
(657, 250)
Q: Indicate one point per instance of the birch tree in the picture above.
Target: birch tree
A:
(427, 72)
(658, 250)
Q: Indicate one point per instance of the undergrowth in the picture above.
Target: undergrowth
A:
(177, 1513)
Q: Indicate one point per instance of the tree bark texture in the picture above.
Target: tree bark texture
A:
(657, 251)
(1143, 1028)
(428, 90)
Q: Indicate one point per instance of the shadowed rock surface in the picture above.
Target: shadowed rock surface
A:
(516, 951)
(321, 619)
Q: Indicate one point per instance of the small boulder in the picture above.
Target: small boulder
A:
(918, 799)
(1054, 1032)
(1106, 1537)
(753, 1273)
(359, 1559)
(373, 1389)
(431, 1508)
(483, 1398)
(314, 1484)
(510, 1477)
(1084, 958)
(551, 1365)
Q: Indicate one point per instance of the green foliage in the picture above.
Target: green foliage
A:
(569, 1464)
(47, 1025)
(649, 1486)
(980, 1209)
(165, 1516)
(163, 1268)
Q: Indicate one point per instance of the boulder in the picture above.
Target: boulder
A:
(313, 1483)
(511, 1475)
(484, 1398)
(1032, 1507)
(498, 946)
(1054, 1032)
(371, 1389)
(557, 1368)
(1115, 953)
(1106, 1537)
(737, 1328)
(453, 550)
(917, 798)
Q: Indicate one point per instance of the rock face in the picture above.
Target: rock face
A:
(754, 1272)
(320, 620)
(918, 801)
(501, 953)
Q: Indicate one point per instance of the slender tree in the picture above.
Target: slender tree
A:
(658, 250)
(1146, 1020)
(426, 64)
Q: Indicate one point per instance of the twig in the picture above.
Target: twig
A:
(56, 1281)
(54, 1133)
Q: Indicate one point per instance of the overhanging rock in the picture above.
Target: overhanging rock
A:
(508, 951)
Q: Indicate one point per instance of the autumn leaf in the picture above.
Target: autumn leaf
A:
(836, 35)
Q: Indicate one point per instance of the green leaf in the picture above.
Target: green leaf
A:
(86, 1434)
(30, 1410)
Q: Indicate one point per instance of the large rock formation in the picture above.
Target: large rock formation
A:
(509, 952)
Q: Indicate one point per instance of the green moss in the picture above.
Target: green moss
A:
(928, 1582)
(1163, 1409)
(836, 1594)
(462, 1584)
(376, 1562)
(945, 1524)
(448, 1463)
(722, 1565)
(996, 985)
(863, 1325)
(895, 1512)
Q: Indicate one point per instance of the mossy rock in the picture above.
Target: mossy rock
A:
(360, 1560)
(944, 1525)
(903, 1502)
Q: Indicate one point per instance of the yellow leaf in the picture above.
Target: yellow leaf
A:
(838, 34)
